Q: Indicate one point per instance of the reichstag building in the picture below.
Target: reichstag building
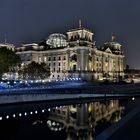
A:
(76, 55)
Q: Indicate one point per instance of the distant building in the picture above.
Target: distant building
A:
(8, 46)
(76, 55)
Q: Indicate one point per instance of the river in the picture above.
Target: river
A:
(75, 121)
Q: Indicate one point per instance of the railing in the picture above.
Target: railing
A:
(109, 89)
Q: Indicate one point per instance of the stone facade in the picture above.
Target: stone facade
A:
(76, 56)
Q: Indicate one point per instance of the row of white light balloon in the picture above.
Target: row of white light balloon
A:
(31, 113)
(22, 114)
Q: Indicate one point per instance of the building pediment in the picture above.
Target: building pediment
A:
(108, 50)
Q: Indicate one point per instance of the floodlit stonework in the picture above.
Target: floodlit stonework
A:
(8, 46)
(76, 55)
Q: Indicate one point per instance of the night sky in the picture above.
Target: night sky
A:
(27, 21)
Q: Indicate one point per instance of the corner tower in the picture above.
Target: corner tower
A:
(80, 36)
(80, 46)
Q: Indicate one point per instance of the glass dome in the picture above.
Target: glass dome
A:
(56, 40)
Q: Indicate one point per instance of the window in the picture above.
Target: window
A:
(53, 64)
(49, 59)
(64, 58)
(74, 57)
(106, 59)
(59, 58)
(28, 57)
(54, 58)
(59, 64)
(74, 67)
(54, 69)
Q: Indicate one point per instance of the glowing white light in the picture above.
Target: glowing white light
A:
(56, 107)
(133, 98)
(14, 82)
(20, 82)
(35, 112)
(52, 128)
(20, 114)
(43, 110)
(7, 82)
(31, 113)
(43, 81)
(53, 123)
(0, 118)
(49, 122)
(25, 113)
(1, 82)
(25, 81)
(14, 115)
(31, 81)
(49, 109)
(7, 117)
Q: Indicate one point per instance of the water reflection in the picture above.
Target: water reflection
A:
(83, 121)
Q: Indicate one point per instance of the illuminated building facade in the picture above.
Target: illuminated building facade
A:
(76, 55)
(80, 121)
(8, 46)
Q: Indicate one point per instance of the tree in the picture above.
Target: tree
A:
(8, 60)
(35, 71)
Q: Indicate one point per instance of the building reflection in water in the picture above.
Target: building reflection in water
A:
(80, 121)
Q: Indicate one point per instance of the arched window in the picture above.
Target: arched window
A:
(74, 58)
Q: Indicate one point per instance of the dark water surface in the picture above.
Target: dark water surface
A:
(78, 121)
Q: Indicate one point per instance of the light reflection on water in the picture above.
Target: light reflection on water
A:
(72, 122)
(80, 121)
